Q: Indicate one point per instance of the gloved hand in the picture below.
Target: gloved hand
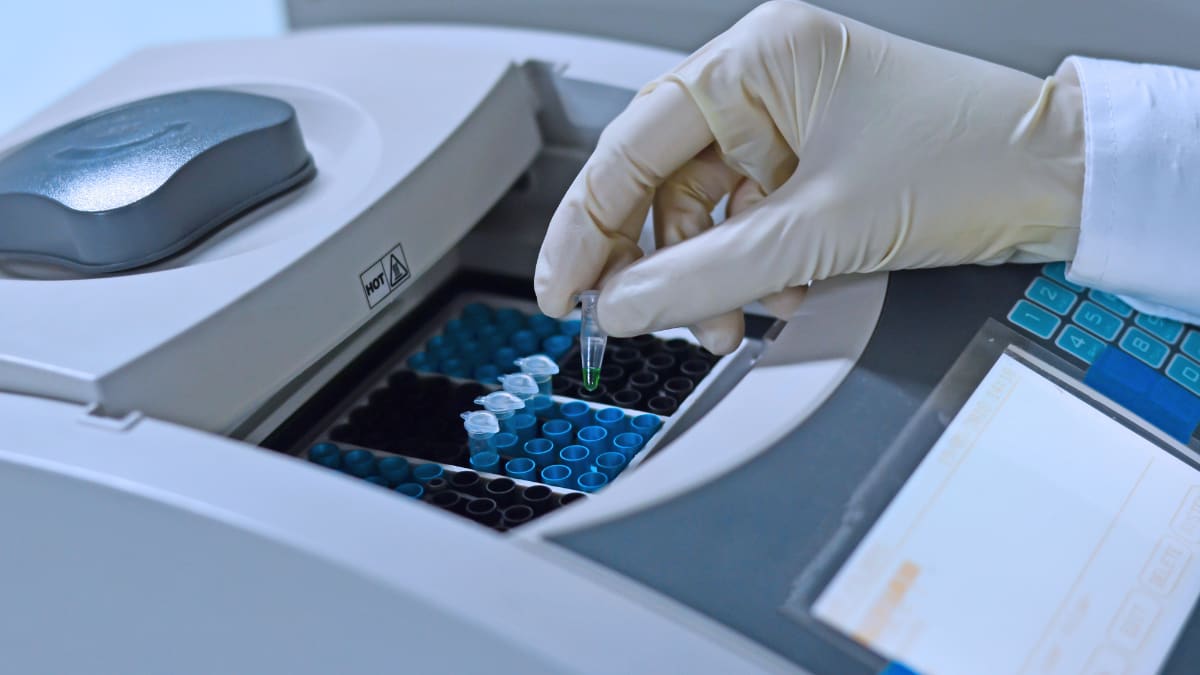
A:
(844, 149)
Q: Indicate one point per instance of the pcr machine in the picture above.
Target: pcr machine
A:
(248, 287)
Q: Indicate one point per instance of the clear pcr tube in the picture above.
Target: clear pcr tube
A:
(480, 426)
(592, 340)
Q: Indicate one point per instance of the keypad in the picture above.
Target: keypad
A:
(1191, 345)
(1164, 329)
(1034, 319)
(1143, 347)
(1186, 372)
(1079, 343)
(1085, 323)
(1103, 323)
(1111, 302)
(1051, 296)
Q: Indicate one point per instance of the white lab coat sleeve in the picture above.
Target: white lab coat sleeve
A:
(1139, 235)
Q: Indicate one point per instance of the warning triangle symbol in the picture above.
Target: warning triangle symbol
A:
(399, 271)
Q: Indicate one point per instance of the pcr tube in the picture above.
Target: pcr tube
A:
(558, 475)
(521, 385)
(326, 454)
(486, 461)
(524, 426)
(541, 368)
(480, 426)
(591, 481)
(501, 404)
(592, 339)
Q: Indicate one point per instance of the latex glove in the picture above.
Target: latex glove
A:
(847, 150)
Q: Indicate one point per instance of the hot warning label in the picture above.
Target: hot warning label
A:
(385, 275)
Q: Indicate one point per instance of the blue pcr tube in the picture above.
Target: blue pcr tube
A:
(486, 461)
(487, 373)
(577, 457)
(326, 454)
(524, 426)
(503, 358)
(541, 451)
(521, 468)
(413, 490)
(394, 470)
(576, 412)
(558, 432)
(628, 443)
(558, 475)
(556, 345)
(610, 463)
(595, 438)
(359, 463)
(476, 314)
(507, 317)
(543, 325)
(591, 481)
(646, 425)
(489, 337)
(525, 342)
(505, 444)
(541, 407)
(426, 472)
(612, 419)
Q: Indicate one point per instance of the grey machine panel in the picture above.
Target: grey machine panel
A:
(128, 186)
(1032, 35)
(734, 548)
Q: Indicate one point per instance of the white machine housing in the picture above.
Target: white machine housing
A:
(132, 402)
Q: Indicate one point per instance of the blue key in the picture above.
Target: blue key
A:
(1112, 302)
(1165, 329)
(1079, 344)
(1058, 272)
(1145, 348)
(1143, 391)
(1186, 372)
(1033, 319)
(1191, 344)
(1103, 323)
(1050, 295)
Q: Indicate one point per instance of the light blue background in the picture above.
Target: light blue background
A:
(48, 47)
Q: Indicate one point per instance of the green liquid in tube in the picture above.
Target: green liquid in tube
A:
(591, 378)
(591, 340)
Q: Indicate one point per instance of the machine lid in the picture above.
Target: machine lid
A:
(131, 185)
(206, 337)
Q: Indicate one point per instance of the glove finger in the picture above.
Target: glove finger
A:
(745, 195)
(684, 203)
(720, 334)
(785, 303)
(595, 229)
(783, 241)
(683, 208)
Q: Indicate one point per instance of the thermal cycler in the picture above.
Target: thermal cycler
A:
(249, 287)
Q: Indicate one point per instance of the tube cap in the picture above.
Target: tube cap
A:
(537, 365)
(520, 384)
(480, 422)
(501, 402)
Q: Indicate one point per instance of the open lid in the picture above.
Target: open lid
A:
(1033, 35)
(207, 336)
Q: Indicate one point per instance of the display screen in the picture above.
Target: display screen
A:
(1039, 535)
